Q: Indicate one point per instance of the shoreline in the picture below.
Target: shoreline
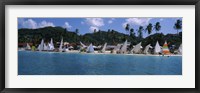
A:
(96, 52)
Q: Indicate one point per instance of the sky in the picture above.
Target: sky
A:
(87, 25)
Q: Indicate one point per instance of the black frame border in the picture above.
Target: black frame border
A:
(3, 3)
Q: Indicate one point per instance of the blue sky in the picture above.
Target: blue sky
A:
(87, 25)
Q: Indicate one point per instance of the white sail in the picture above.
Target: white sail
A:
(61, 45)
(28, 46)
(90, 49)
(41, 45)
(157, 49)
(104, 48)
(38, 48)
(51, 45)
(137, 48)
(82, 45)
(124, 47)
(180, 49)
(147, 49)
(45, 47)
(117, 48)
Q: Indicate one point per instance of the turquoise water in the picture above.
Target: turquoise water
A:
(49, 63)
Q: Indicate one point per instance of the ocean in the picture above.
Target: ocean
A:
(55, 63)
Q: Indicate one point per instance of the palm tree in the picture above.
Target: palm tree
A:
(131, 31)
(127, 27)
(140, 35)
(95, 30)
(149, 28)
(157, 27)
(132, 34)
(77, 31)
(178, 25)
(108, 30)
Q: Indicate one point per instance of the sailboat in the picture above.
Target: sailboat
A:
(38, 48)
(61, 45)
(104, 48)
(45, 47)
(51, 45)
(41, 46)
(124, 48)
(157, 49)
(84, 46)
(48, 47)
(165, 49)
(137, 48)
(28, 47)
(90, 49)
(116, 49)
(147, 49)
(180, 49)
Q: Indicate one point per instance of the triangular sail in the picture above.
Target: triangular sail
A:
(61, 45)
(45, 47)
(51, 45)
(90, 49)
(117, 48)
(124, 47)
(180, 49)
(41, 45)
(82, 44)
(38, 47)
(104, 48)
(137, 48)
(147, 49)
(165, 49)
(157, 49)
(28, 46)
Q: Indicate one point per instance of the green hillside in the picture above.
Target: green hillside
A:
(112, 37)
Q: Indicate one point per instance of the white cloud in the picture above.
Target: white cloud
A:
(30, 23)
(97, 22)
(111, 21)
(45, 24)
(67, 25)
(137, 21)
(161, 19)
(94, 23)
(92, 28)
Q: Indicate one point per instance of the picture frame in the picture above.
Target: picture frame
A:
(99, 2)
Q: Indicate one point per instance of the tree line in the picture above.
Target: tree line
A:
(110, 36)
